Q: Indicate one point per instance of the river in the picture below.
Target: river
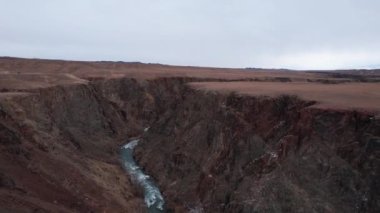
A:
(152, 195)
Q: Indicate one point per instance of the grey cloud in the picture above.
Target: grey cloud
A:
(300, 34)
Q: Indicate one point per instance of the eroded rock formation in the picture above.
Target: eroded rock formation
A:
(207, 150)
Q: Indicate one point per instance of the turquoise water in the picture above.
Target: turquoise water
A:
(152, 195)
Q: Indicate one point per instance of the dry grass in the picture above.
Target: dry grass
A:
(342, 96)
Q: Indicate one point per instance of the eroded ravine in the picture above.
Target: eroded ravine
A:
(206, 150)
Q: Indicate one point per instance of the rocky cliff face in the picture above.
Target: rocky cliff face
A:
(207, 150)
(60, 150)
(231, 153)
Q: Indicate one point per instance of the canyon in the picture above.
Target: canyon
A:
(218, 140)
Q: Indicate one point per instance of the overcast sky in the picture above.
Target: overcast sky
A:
(298, 34)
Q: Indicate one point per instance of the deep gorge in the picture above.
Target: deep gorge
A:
(208, 151)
